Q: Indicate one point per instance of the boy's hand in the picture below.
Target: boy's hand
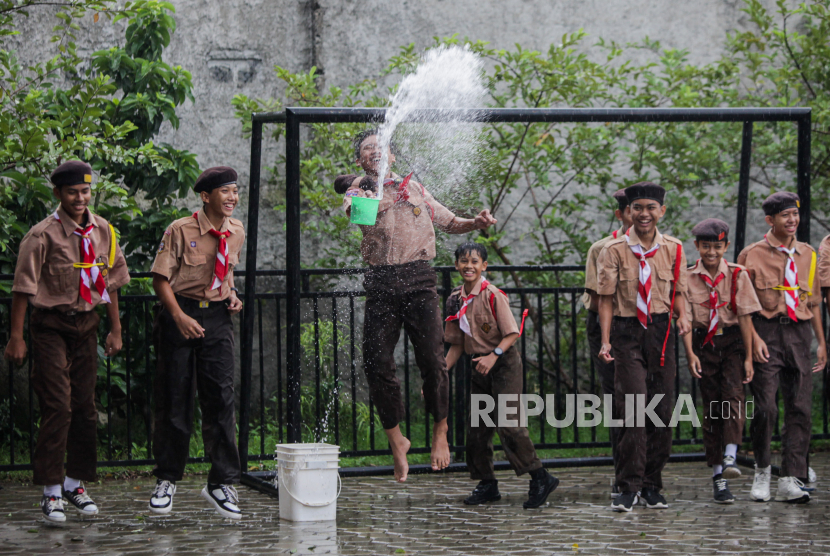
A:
(112, 345)
(605, 353)
(749, 371)
(484, 220)
(484, 364)
(821, 352)
(235, 304)
(683, 326)
(760, 353)
(694, 364)
(15, 350)
(188, 327)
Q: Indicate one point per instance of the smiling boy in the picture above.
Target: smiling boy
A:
(782, 270)
(193, 278)
(482, 325)
(401, 290)
(67, 265)
(639, 275)
(720, 301)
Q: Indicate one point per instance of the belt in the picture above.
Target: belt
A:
(51, 311)
(662, 317)
(721, 331)
(189, 303)
(779, 319)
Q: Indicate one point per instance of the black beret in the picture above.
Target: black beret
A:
(645, 190)
(622, 200)
(711, 229)
(780, 201)
(214, 177)
(72, 172)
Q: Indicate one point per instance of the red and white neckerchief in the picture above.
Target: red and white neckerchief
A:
(90, 274)
(644, 287)
(403, 188)
(222, 264)
(790, 279)
(461, 315)
(714, 320)
(614, 234)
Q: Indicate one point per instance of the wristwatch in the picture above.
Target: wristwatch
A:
(498, 351)
(234, 290)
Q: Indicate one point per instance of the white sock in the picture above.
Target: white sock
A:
(52, 490)
(717, 470)
(71, 484)
(731, 450)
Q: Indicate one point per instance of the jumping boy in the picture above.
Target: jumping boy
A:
(67, 265)
(482, 325)
(782, 270)
(639, 275)
(193, 278)
(400, 289)
(720, 300)
(591, 300)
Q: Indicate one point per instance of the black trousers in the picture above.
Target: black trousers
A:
(185, 366)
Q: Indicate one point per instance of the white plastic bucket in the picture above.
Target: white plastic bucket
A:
(309, 481)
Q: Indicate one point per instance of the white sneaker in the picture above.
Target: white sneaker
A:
(789, 490)
(224, 498)
(760, 485)
(730, 468)
(161, 502)
(811, 476)
(52, 508)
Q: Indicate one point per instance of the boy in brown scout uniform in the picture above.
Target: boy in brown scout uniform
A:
(591, 302)
(401, 289)
(193, 277)
(639, 275)
(482, 325)
(68, 264)
(720, 300)
(783, 274)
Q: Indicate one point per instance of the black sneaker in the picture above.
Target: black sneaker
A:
(486, 491)
(52, 508)
(224, 498)
(161, 501)
(722, 494)
(653, 499)
(624, 502)
(81, 500)
(615, 491)
(539, 490)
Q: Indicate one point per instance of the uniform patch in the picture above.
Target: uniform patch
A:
(485, 327)
(161, 247)
(798, 204)
(721, 235)
(193, 244)
(167, 232)
(416, 211)
(87, 178)
(803, 296)
(104, 272)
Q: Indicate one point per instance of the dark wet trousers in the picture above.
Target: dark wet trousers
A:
(64, 352)
(504, 378)
(405, 295)
(642, 451)
(722, 389)
(790, 367)
(605, 371)
(183, 367)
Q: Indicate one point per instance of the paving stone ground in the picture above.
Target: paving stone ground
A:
(425, 516)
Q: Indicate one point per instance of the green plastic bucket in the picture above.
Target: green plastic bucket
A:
(364, 211)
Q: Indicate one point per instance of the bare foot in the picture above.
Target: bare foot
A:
(440, 456)
(400, 446)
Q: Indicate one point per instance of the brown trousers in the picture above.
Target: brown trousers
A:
(64, 371)
(604, 370)
(404, 295)
(183, 367)
(504, 378)
(790, 366)
(722, 389)
(642, 451)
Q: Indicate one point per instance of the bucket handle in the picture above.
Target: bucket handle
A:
(316, 504)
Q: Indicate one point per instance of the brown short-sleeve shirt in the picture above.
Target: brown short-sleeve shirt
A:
(486, 330)
(591, 283)
(45, 262)
(766, 265)
(697, 295)
(404, 231)
(187, 256)
(823, 271)
(618, 271)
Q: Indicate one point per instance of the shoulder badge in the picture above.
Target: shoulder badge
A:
(161, 247)
(485, 327)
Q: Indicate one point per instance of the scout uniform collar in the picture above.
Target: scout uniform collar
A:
(480, 285)
(723, 267)
(618, 233)
(205, 225)
(69, 225)
(634, 239)
(773, 243)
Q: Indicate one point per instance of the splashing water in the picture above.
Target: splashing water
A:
(443, 154)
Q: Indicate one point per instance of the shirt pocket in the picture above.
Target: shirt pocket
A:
(233, 260)
(193, 266)
(58, 277)
(767, 296)
(664, 279)
(629, 277)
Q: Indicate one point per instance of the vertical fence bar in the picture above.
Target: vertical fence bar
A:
(540, 329)
(574, 365)
(109, 407)
(280, 414)
(318, 415)
(406, 382)
(743, 189)
(804, 146)
(557, 364)
(10, 367)
(524, 350)
(335, 370)
(353, 369)
(148, 379)
(293, 279)
(261, 378)
(31, 406)
(128, 375)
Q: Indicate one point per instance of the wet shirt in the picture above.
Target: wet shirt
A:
(697, 295)
(187, 255)
(766, 266)
(47, 254)
(591, 270)
(618, 271)
(404, 231)
(486, 330)
(823, 271)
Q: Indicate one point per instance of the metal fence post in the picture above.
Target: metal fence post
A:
(804, 147)
(743, 189)
(293, 279)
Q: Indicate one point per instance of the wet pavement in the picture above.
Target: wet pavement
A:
(426, 516)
